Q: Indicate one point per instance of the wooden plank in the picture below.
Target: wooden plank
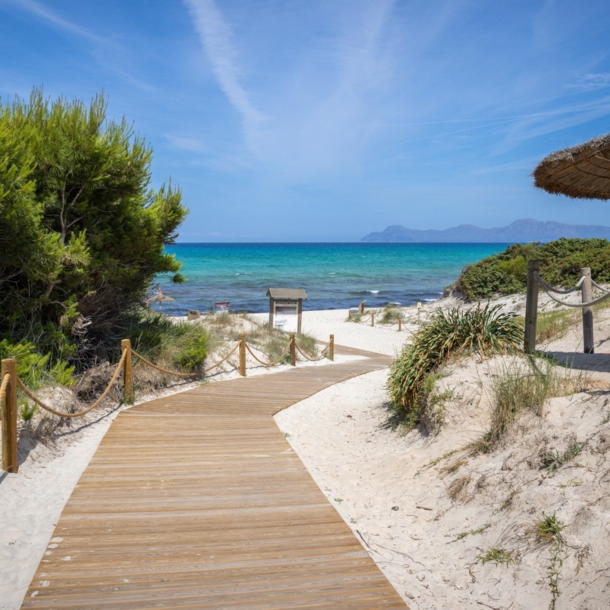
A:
(197, 501)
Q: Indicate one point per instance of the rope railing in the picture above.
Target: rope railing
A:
(585, 284)
(558, 291)
(360, 318)
(322, 354)
(548, 289)
(176, 373)
(11, 382)
(277, 361)
(46, 407)
(5, 381)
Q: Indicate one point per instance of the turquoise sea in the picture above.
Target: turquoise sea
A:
(335, 276)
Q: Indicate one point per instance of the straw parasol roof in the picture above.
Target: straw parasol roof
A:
(159, 297)
(582, 171)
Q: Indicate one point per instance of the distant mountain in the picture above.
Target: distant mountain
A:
(519, 231)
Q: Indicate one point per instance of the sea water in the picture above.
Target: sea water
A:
(335, 276)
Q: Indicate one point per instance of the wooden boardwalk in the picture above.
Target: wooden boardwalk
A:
(197, 501)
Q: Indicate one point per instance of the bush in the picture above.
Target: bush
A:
(159, 339)
(82, 234)
(481, 330)
(560, 264)
(35, 369)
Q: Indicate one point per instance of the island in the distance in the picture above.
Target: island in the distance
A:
(520, 231)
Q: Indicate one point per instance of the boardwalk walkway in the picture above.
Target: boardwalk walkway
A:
(197, 501)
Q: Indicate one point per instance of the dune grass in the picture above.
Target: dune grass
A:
(483, 330)
(523, 385)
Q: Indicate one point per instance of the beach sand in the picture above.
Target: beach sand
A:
(383, 484)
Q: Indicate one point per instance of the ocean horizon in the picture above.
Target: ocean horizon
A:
(334, 275)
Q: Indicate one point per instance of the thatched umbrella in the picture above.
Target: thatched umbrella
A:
(582, 171)
(159, 298)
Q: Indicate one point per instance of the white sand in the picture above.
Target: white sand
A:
(379, 482)
(398, 503)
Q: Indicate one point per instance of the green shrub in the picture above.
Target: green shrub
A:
(194, 351)
(482, 330)
(34, 369)
(560, 264)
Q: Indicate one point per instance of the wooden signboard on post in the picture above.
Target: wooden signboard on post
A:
(286, 308)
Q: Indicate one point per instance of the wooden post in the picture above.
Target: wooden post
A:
(128, 396)
(531, 307)
(9, 418)
(242, 355)
(373, 318)
(331, 348)
(293, 350)
(587, 312)
(399, 324)
(299, 314)
(271, 311)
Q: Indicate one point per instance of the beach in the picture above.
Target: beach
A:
(393, 488)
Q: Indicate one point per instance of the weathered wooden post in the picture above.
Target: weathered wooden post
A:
(587, 312)
(9, 417)
(372, 318)
(128, 396)
(531, 307)
(331, 348)
(293, 350)
(242, 355)
(399, 324)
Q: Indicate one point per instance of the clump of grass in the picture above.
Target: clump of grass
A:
(27, 412)
(389, 314)
(520, 386)
(548, 530)
(457, 489)
(483, 330)
(495, 555)
(555, 324)
(554, 460)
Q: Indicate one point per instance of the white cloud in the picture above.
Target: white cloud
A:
(216, 38)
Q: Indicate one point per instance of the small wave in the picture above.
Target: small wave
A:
(373, 291)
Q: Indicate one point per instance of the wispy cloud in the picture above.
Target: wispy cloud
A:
(216, 38)
(591, 81)
(50, 17)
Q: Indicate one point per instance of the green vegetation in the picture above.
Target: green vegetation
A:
(82, 234)
(496, 556)
(389, 314)
(560, 264)
(34, 369)
(555, 324)
(548, 530)
(520, 386)
(473, 532)
(553, 460)
(481, 330)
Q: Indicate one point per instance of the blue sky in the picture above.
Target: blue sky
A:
(324, 120)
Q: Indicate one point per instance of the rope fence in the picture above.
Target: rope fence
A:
(361, 318)
(585, 284)
(11, 382)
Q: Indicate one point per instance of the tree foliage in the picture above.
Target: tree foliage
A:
(82, 234)
(560, 264)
